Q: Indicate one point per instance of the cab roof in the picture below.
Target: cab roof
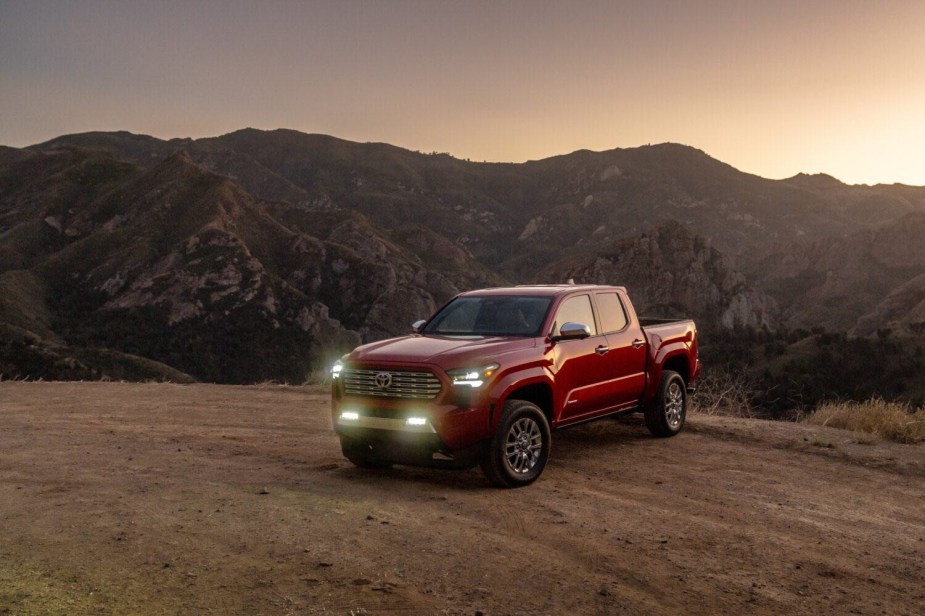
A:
(543, 290)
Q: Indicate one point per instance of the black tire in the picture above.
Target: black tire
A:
(519, 449)
(666, 414)
(360, 454)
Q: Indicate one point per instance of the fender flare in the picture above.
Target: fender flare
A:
(663, 356)
(509, 383)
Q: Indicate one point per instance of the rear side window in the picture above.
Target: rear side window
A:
(576, 310)
(612, 314)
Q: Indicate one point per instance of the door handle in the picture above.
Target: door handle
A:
(638, 343)
(601, 349)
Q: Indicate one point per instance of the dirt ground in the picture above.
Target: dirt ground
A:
(201, 499)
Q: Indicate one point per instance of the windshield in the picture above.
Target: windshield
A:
(493, 315)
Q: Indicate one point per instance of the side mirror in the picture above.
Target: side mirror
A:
(573, 331)
(417, 326)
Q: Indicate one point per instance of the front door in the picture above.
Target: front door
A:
(581, 369)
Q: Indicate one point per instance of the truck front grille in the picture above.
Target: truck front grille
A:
(391, 384)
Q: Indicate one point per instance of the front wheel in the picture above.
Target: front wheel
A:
(520, 446)
(665, 415)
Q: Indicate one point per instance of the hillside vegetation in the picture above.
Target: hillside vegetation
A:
(261, 256)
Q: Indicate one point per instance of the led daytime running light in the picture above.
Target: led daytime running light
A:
(473, 377)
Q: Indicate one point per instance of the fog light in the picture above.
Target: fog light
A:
(349, 416)
(416, 421)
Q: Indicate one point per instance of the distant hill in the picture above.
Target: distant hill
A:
(261, 255)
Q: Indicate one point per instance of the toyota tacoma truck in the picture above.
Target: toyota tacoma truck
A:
(490, 376)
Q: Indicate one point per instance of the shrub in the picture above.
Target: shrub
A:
(722, 392)
(892, 420)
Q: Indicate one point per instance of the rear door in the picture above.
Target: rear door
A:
(626, 349)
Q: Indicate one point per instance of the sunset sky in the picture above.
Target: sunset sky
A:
(772, 88)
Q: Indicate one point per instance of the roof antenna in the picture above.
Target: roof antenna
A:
(571, 282)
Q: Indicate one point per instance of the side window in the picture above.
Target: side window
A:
(576, 310)
(612, 314)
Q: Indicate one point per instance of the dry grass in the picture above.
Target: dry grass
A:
(319, 376)
(723, 393)
(890, 420)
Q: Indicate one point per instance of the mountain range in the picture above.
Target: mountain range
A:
(262, 255)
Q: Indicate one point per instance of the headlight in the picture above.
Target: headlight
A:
(336, 369)
(473, 377)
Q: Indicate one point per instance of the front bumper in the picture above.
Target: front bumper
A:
(396, 442)
(416, 448)
(403, 428)
(416, 434)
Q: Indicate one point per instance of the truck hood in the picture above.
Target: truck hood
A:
(448, 352)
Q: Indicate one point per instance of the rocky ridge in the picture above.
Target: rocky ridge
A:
(260, 255)
(670, 272)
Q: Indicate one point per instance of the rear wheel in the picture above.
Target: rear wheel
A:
(665, 415)
(519, 449)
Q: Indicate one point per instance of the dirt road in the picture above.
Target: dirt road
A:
(169, 499)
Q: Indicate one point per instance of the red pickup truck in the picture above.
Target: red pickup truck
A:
(488, 377)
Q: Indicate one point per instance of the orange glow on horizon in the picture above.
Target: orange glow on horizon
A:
(772, 89)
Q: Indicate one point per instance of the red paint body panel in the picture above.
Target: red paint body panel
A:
(572, 380)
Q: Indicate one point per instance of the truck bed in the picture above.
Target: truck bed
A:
(664, 335)
(667, 330)
(649, 321)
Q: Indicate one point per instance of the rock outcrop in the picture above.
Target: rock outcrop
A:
(672, 272)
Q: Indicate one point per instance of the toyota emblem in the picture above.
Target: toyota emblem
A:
(383, 380)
